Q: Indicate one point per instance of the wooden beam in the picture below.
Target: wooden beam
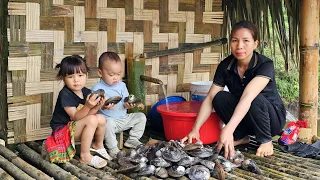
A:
(3, 68)
(186, 48)
(309, 53)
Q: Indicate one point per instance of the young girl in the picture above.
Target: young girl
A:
(75, 118)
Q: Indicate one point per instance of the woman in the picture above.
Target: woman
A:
(253, 105)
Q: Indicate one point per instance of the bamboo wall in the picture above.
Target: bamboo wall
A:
(42, 32)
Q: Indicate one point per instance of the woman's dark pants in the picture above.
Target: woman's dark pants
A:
(261, 120)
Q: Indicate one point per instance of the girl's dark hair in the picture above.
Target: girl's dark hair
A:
(248, 25)
(70, 65)
(108, 56)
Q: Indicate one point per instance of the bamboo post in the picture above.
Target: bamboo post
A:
(135, 68)
(309, 47)
(3, 68)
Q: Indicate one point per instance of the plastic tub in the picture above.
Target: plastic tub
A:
(179, 119)
(199, 90)
(154, 116)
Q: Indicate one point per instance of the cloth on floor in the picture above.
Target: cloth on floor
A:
(302, 149)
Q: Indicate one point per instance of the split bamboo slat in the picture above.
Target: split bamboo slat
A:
(42, 33)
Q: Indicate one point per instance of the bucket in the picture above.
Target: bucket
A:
(154, 116)
(199, 90)
(179, 120)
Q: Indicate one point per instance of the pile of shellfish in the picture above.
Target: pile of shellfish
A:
(174, 159)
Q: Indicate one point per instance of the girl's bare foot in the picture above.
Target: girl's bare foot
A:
(85, 158)
(265, 149)
(244, 140)
(97, 145)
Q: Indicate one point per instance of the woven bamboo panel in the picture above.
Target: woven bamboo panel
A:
(42, 33)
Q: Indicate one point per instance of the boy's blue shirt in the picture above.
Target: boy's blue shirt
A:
(120, 89)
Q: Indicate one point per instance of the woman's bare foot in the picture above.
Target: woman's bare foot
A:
(244, 140)
(265, 149)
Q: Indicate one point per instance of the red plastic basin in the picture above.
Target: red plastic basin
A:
(179, 119)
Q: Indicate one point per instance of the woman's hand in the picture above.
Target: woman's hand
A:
(226, 140)
(194, 134)
(92, 100)
(129, 105)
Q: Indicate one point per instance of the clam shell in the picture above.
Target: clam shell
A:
(198, 172)
(201, 153)
(161, 172)
(192, 146)
(170, 153)
(218, 171)
(127, 169)
(188, 161)
(160, 162)
(250, 165)
(131, 99)
(100, 93)
(114, 100)
(176, 171)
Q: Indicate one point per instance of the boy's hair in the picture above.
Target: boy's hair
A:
(70, 65)
(248, 25)
(108, 56)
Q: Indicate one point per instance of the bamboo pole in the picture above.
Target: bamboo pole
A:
(3, 68)
(16, 160)
(4, 175)
(13, 170)
(309, 47)
(50, 168)
(96, 172)
(135, 68)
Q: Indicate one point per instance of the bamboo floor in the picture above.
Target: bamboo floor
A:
(278, 166)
